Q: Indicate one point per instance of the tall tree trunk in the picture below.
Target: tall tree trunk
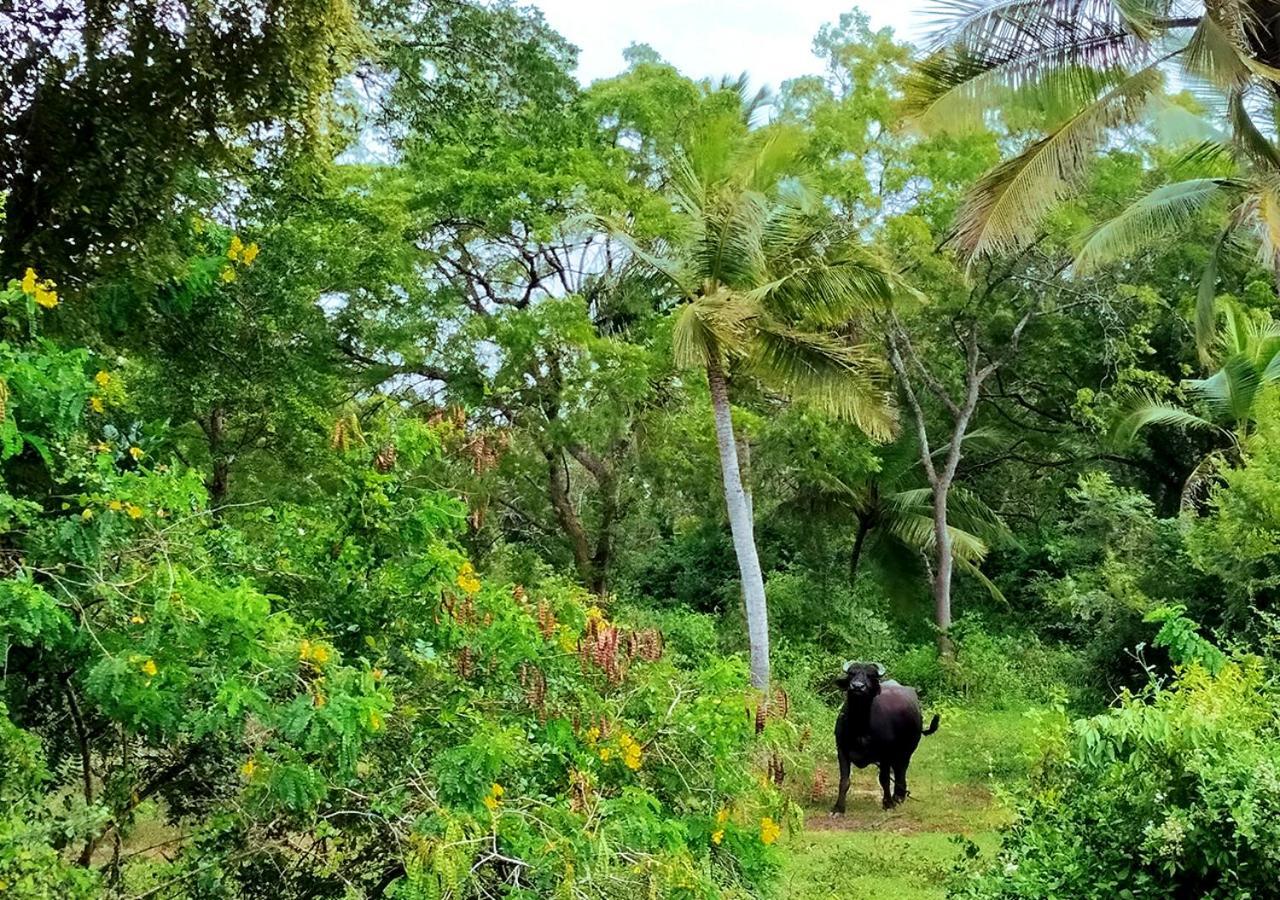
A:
(567, 516)
(859, 540)
(943, 566)
(603, 469)
(740, 524)
(218, 484)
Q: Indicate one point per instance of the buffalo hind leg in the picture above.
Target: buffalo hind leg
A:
(887, 801)
(838, 809)
(900, 781)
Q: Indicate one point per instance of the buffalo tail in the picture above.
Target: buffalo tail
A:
(933, 726)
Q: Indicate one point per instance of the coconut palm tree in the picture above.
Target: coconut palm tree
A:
(890, 508)
(1103, 62)
(766, 287)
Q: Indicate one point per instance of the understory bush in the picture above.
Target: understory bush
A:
(1174, 792)
(324, 698)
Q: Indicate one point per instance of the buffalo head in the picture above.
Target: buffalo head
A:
(861, 679)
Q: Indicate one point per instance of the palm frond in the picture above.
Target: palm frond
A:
(828, 292)
(965, 509)
(728, 248)
(954, 91)
(1230, 392)
(771, 154)
(1268, 215)
(1212, 54)
(915, 530)
(1207, 301)
(669, 267)
(1022, 26)
(1255, 146)
(1003, 210)
(1195, 489)
(1144, 411)
(1168, 209)
(844, 380)
(974, 515)
(971, 568)
(710, 328)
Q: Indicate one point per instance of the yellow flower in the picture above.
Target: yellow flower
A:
(377, 674)
(769, 830)
(375, 720)
(136, 452)
(494, 798)
(722, 816)
(228, 274)
(631, 752)
(134, 511)
(593, 734)
(137, 619)
(250, 254)
(467, 579)
(317, 653)
(717, 836)
(43, 291)
(606, 754)
(96, 404)
(248, 768)
(149, 668)
(87, 515)
(237, 246)
(102, 447)
(102, 378)
(594, 614)
(115, 506)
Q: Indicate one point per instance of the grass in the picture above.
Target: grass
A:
(874, 865)
(957, 779)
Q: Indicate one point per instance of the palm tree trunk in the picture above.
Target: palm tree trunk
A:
(859, 539)
(740, 524)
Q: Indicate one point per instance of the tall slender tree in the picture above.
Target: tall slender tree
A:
(767, 286)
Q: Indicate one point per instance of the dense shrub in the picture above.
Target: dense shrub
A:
(1175, 792)
(1239, 540)
(1105, 567)
(836, 618)
(323, 698)
(992, 670)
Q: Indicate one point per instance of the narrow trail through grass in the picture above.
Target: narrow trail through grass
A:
(907, 853)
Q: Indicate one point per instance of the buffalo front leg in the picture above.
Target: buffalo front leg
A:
(838, 809)
(887, 801)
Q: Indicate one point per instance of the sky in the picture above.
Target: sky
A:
(769, 39)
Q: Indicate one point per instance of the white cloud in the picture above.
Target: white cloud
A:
(769, 39)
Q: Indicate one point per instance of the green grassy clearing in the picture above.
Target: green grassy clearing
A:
(956, 780)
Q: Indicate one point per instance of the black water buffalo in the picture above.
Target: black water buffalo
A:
(880, 724)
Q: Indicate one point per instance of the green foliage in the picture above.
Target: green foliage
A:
(362, 532)
(1173, 791)
(119, 116)
(1236, 541)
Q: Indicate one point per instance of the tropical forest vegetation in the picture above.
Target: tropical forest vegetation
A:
(426, 475)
